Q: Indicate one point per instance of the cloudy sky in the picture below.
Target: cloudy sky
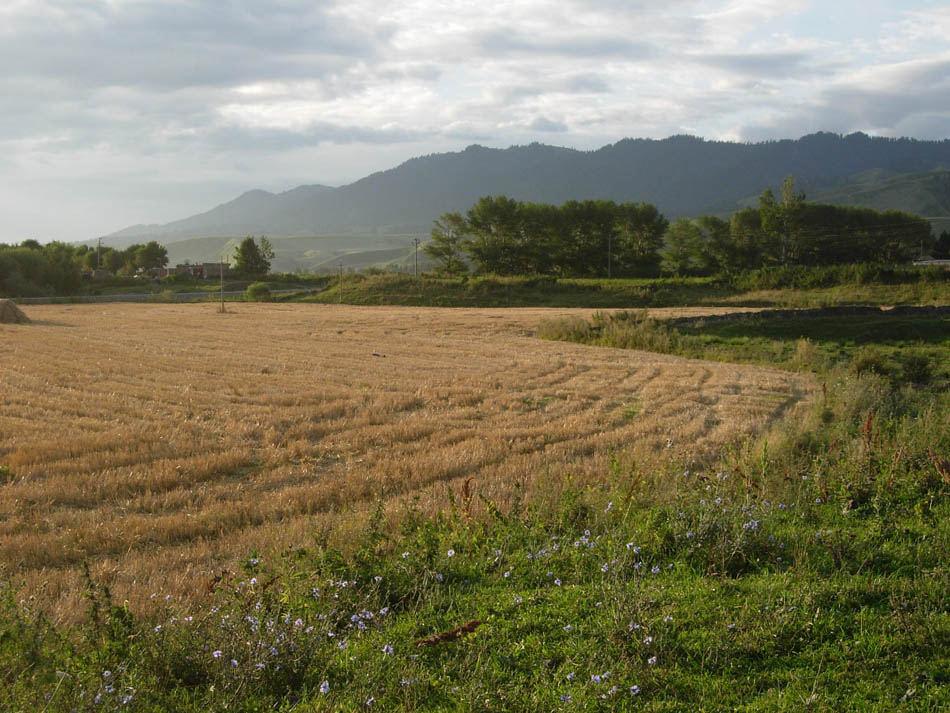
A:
(114, 112)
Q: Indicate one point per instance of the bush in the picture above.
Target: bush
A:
(565, 329)
(258, 292)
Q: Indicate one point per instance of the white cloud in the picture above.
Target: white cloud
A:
(126, 95)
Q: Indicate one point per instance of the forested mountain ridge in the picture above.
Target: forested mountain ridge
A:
(680, 175)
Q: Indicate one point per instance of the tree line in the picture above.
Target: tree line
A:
(602, 238)
(32, 269)
(56, 268)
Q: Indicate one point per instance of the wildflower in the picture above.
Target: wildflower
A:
(571, 676)
(234, 663)
(568, 627)
(260, 666)
(609, 507)
(98, 699)
(384, 611)
(217, 653)
(388, 650)
(633, 626)
(404, 682)
(377, 579)
(370, 701)
(106, 674)
(652, 660)
(702, 502)
(298, 623)
(518, 599)
(273, 651)
(656, 569)
(612, 691)
(565, 698)
(595, 678)
(253, 581)
(667, 619)
(405, 554)
(324, 687)
(557, 582)
(126, 699)
(604, 567)
(635, 690)
(450, 553)
(507, 574)
(718, 501)
(341, 644)
(157, 628)
(438, 576)
(689, 535)
(648, 640)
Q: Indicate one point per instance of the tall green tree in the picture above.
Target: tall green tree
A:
(151, 255)
(684, 243)
(249, 258)
(781, 220)
(447, 244)
(640, 230)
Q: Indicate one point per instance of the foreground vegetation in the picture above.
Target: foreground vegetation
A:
(804, 570)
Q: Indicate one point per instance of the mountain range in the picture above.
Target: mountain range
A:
(680, 175)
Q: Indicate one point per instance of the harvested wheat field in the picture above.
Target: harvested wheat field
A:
(163, 443)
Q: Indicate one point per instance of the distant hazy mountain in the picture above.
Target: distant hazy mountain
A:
(681, 175)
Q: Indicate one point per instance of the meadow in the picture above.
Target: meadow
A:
(161, 444)
(434, 510)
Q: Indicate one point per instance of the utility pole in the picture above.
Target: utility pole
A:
(221, 273)
(341, 283)
(416, 268)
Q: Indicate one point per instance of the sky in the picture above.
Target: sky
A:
(118, 112)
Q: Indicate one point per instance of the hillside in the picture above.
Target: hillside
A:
(681, 175)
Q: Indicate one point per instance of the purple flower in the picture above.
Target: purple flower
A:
(450, 553)
(635, 690)
(388, 650)
(217, 653)
(325, 687)
(652, 660)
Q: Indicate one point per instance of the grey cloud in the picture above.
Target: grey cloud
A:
(544, 124)
(605, 45)
(161, 45)
(258, 140)
(776, 65)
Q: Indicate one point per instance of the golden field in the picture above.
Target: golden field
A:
(163, 443)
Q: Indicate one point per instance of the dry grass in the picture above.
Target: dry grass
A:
(166, 442)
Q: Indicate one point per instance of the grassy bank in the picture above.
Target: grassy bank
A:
(802, 571)
(767, 290)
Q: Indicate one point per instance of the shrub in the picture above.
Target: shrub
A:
(565, 329)
(258, 292)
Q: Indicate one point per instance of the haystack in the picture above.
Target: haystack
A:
(11, 314)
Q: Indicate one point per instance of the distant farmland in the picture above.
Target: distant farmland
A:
(163, 443)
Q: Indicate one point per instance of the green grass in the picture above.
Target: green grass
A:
(493, 291)
(805, 570)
